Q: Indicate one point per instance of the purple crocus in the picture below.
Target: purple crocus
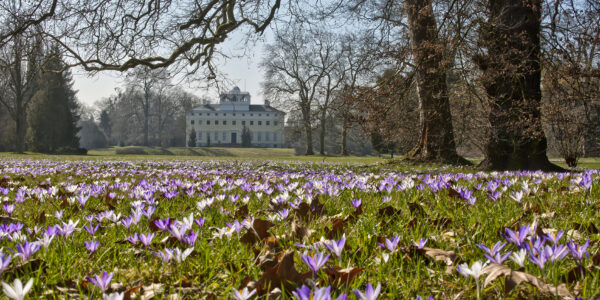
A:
(133, 239)
(92, 246)
(146, 239)
(162, 224)
(539, 260)
(4, 261)
(421, 243)
(356, 202)
(578, 252)
(517, 237)
(101, 282)
(199, 222)
(390, 244)
(91, 230)
(126, 222)
(315, 262)
(554, 237)
(336, 247)
(9, 208)
(493, 253)
(370, 293)
(26, 250)
(324, 293)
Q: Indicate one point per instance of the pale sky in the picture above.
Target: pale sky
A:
(243, 72)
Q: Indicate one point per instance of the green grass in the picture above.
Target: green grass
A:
(219, 265)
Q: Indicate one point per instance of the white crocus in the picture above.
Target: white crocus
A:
(189, 221)
(519, 257)
(17, 291)
(474, 271)
(243, 294)
(113, 296)
(182, 255)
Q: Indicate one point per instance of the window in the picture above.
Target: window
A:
(224, 122)
(252, 115)
(233, 122)
(224, 114)
(251, 123)
(207, 122)
(234, 114)
(216, 136)
(259, 123)
(259, 137)
(216, 122)
(199, 122)
(192, 122)
(274, 136)
(243, 123)
(274, 123)
(267, 136)
(251, 136)
(224, 136)
(243, 115)
(259, 115)
(199, 135)
(268, 123)
(267, 115)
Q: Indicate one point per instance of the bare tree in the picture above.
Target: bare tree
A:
(296, 64)
(120, 35)
(20, 61)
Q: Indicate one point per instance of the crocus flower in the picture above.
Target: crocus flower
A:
(92, 246)
(17, 291)
(4, 261)
(113, 296)
(243, 294)
(539, 260)
(474, 271)
(493, 253)
(519, 257)
(554, 237)
(26, 250)
(180, 256)
(134, 238)
(517, 237)
(101, 282)
(162, 224)
(577, 251)
(91, 230)
(421, 298)
(199, 222)
(305, 293)
(336, 247)
(126, 222)
(370, 293)
(356, 202)
(315, 263)
(164, 255)
(8, 208)
(421, 243)
(390, 244)
(146, 239)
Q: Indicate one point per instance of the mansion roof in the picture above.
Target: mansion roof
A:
(228, 108)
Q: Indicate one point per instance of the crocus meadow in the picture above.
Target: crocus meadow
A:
(144, 229)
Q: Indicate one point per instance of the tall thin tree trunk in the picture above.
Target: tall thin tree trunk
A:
(511, 77)
(436, 140)
(344, 150)
(322, 134)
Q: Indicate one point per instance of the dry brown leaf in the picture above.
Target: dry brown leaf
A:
(339, 276)
(514, 278)
(283, 273)
(447, 257)
(242, 212)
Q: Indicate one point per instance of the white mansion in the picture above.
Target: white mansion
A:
(222, 124)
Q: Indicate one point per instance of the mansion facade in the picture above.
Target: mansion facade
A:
(223, 124)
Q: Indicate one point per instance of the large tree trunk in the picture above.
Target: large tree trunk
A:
(511, 77)
(436, 140)
(307, 128)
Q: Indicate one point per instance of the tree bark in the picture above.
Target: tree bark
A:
(307, 128)
(322, 133)
(436, 140)
(344, 149)
(511, 78)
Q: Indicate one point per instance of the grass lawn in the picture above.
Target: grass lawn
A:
(200, 228)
